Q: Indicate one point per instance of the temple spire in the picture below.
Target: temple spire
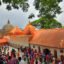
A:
(8, 22)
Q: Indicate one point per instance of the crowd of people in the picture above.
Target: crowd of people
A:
(28, 55)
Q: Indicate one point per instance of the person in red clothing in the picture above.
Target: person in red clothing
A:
(14, 60)
(6, 57)
(32, 61)
(47, 59)
(63, 62)
(9, 60)
(35, 53)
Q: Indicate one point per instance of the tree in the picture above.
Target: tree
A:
(16, 4)
(47, 11)
(43, 22)
(48, 8)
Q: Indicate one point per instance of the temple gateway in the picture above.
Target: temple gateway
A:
(52, 39)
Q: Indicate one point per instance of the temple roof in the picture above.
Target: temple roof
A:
(49, 38)
(45, 37)
(16, 31)
(3, 41)
(29, 29)
(7, 27)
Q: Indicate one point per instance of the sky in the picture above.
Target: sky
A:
(19, 18)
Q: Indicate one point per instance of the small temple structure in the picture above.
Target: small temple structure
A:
(52, 39)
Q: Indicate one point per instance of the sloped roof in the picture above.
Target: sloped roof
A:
(3, 41)
(29, 29)
(49, 38)
(16, 31)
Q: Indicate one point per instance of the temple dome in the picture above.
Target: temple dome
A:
(7, 27)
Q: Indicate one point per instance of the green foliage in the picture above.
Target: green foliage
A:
(47, 11)
(46, 23)
(62, 26)
(16, 4)
(48, 8)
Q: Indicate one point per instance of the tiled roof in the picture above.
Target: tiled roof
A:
(16, 31)
(3, 41)
(49, 37)
(29, 30)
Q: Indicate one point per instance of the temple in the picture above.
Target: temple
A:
(52, 39)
